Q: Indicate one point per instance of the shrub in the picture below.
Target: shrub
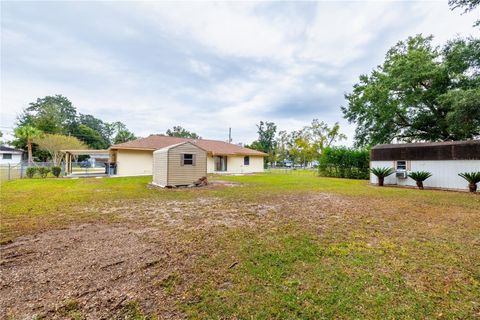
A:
(56, 171)
(472, 178)
(381, 173)
(31, 172)
(43, 171)
(341, 162)
(419, 177)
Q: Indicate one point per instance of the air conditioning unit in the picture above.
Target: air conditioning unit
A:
(402, 174)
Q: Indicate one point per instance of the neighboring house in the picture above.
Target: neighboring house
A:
(179, 165)
(10, 155)
(445, 160)
(136, 157)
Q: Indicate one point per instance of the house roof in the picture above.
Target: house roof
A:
(446, 150)
(215, 147)
(5, 149)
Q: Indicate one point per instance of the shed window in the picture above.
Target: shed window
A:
(246, 161)
(401, 165)
(7, 156)
(188, 159)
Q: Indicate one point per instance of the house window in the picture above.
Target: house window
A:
(7, 156)
(401, 165)
(246, 161)
(187, 159)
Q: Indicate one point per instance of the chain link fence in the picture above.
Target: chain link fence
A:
(13, 171)
(291, 170)
(81, 169)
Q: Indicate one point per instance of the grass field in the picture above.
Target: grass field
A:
(281, 246)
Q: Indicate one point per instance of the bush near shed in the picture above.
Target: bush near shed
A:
(342, 162)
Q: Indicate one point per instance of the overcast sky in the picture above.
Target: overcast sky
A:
(205, 66)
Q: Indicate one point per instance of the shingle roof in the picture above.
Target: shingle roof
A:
(8, 149)
(425, 144)
(448, 150)
(155, 142)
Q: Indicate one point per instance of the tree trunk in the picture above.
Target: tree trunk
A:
(29, 147)
(472, 187)
(380, 181)
(420, 185)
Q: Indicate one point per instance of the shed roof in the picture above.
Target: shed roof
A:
(215, 147)
(179, 144)
(446, 150)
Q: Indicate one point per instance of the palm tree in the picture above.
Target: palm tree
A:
(381, 173)
(28, 133)
(473, 178)
(419, 177)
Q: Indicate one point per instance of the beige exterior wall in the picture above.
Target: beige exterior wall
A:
(210, 164)
(134, 162)
(160, 166)
(235, 165)
(186, 174)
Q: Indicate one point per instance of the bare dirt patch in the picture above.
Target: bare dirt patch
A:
(188, 215)
(95, 268)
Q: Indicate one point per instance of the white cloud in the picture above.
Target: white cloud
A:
(201, 68)
(225, 64)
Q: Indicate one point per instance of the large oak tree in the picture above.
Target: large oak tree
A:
(420, 93)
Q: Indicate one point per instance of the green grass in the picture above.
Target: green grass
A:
(294, 275)
(392, 254)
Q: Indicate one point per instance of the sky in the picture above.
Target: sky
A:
(206, 66)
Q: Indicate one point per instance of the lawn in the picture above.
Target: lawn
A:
(262, 246)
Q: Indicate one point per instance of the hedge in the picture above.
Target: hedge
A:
(342, 162)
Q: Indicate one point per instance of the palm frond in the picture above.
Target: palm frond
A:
(471, 177)
(382, 172)
(419, 176)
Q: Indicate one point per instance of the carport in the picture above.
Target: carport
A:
(100, 165)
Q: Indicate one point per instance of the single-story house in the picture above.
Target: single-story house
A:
(10, 155)
(444, 160)
(179, 164)
(136, 157)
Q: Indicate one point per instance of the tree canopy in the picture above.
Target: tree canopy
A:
(55, 143)
(298, 146)
(52, 114)
(27, 134)
(266, 139)
(466, 5)
(420, 93)
(178, 131)
(57, 115)
(307, 144)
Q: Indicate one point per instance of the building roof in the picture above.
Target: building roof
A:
(179, 144)
(78, 152)
(215, 147)
(5, 149)
(446, 150)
